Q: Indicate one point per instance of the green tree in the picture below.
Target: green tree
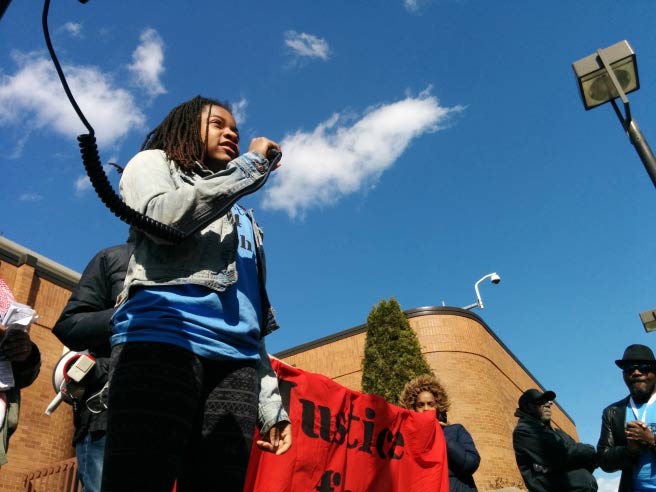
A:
(392, 355)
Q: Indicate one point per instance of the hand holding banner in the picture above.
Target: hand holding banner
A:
(346, 441)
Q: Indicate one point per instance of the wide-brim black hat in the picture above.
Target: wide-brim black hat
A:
(636, 353)
(535, 396)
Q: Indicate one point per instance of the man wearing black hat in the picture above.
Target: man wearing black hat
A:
(548, 459)
(627, 440)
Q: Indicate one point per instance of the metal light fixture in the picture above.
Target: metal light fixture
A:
(494, 278)
(594, 79)
(603, 77)
(648, 319)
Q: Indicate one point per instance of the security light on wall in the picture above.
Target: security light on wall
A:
(494, 278)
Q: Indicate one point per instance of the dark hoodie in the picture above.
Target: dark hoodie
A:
(550, 460)
(85, 324)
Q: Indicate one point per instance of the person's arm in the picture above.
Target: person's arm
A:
(639, 436)
(463, 458)
(147, 186)
(539, 446)
(24, 355)
(274, 423)
(85, 323)
(612, 456)
(582, 456)
(26, 371)
(579, 455)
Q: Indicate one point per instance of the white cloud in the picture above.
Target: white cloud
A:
(307, 45)
(410, 4)
(608, 484)
(33, 96)
(148, 62)
(19, 144)
(414, 6)
(83, 184)
(30, 197)
(339, 157)
(72, 28)
(239, 111)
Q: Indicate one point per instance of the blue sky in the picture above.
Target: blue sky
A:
(426, 144)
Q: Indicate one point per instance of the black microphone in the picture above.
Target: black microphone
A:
(274, 156)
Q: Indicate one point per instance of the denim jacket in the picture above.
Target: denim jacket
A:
(199, 203)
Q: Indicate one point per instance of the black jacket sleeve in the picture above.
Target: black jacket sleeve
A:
(25, 372)
(85, 323)
(612, 450)
(578, 455)
(533, 444)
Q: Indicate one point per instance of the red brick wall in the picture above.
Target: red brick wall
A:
(483, 379)
(40, 440)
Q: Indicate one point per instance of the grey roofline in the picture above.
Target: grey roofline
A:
(18, 255)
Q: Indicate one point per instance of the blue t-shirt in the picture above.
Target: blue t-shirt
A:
(215, 325)
(644, 472)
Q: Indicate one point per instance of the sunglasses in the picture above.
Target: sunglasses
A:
(642, 368)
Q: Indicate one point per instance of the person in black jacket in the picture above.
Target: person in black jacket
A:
(24, 358)
(426, 393)
(627, 440)
(549, 459)
(85, 325)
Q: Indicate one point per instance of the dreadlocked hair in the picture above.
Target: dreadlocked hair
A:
(179, 134)
(426, 382)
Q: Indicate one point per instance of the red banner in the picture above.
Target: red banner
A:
(346, 441)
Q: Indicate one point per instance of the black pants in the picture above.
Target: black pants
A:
(174, 415)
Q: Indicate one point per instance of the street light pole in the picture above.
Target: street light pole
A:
(594, 73)
(642, 147)
(628, 123)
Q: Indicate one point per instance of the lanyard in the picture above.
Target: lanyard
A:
(644, 413)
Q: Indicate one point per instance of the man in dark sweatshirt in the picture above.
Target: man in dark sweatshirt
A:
(548, 459)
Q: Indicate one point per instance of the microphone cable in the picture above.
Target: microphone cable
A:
(96, 173)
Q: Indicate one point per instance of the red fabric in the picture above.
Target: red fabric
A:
(346, 441)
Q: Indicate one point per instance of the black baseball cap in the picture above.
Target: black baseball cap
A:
(535, 396)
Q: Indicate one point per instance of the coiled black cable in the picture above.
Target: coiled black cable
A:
(93, 165)
(108, 196)
(96, 173)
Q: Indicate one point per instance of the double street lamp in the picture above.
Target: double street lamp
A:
(603, 77)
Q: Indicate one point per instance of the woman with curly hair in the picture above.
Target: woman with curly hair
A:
(427, 393)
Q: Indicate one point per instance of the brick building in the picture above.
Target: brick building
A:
(41, 441)
(483, 377)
